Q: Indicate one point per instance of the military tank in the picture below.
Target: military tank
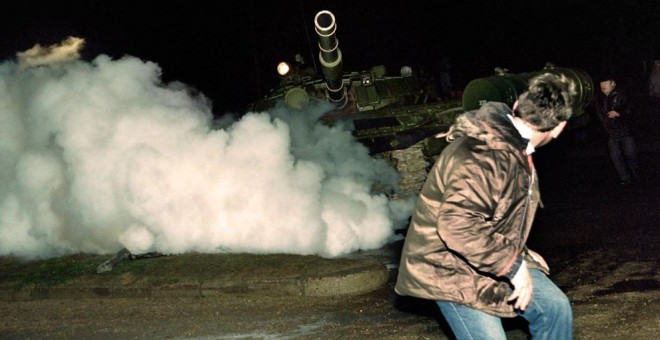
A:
(398, 116)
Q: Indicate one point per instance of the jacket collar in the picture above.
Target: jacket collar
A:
(526, 133)
(491, 124)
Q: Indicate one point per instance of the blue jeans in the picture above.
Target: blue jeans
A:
(624, 155)
(549, 315)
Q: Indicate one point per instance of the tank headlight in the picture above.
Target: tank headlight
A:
(283, 69)
(366, 80)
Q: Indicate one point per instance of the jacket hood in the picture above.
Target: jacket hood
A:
(490, 124)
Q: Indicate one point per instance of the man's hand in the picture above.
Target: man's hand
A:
(522, 288)
(612, 114)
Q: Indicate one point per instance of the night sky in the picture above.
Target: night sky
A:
(229, 50)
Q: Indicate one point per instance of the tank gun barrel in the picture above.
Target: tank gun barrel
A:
(330, 55)
(506, 87)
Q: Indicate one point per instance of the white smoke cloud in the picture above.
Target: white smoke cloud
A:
(100, 155)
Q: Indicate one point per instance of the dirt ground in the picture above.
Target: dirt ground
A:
(599, 237)
(614, 295)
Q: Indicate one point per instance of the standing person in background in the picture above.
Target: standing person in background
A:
(614, 111)
(444, 77)
(465, 247)
(654, 88)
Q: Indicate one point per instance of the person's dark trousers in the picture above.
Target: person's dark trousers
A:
(623, 152)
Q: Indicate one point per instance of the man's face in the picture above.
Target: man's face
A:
(542, 138)
(607, 86)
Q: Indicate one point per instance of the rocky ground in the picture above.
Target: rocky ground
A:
(600, 239)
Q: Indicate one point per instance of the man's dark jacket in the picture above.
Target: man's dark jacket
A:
(473, 216)
(616, 100)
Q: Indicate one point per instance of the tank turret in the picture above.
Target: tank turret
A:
(351, 92)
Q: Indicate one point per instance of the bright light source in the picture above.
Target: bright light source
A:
(283, 68)
(366, 79)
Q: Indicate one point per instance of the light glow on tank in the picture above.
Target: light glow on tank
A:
(283, 69)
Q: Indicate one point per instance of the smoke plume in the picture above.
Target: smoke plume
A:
(99, 155)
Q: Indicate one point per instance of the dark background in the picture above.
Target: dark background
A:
(229, 51)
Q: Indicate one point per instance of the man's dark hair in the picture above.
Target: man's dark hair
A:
(605, 76)
(547, 102)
